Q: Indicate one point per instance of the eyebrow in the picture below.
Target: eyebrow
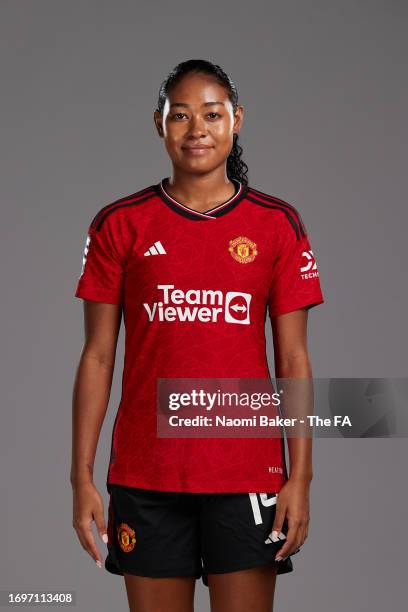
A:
(187, 105)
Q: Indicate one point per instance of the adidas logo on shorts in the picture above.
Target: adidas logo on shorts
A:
(272, 538)
(156, 249)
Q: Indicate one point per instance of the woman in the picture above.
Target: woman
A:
(194, 261)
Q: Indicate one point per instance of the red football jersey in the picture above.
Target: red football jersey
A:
(151, 253)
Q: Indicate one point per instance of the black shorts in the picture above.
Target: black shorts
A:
(160, 533)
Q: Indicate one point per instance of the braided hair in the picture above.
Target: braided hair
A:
(236, 167)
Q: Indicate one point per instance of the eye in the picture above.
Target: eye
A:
(214, 114)
(175, 116)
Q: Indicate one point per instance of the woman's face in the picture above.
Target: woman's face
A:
(198, 124)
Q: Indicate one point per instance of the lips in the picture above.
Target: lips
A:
(197, 150)
(198, 147)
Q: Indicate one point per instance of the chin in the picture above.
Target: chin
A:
(201, 165)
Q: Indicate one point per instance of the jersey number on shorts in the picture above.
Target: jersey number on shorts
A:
(255, 498)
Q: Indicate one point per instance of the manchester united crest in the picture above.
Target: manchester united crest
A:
(126, 537)
(242, 249)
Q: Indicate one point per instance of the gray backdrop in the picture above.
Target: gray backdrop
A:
(324, 88)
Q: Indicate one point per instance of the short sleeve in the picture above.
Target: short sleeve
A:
(295, 277)
(102, 273)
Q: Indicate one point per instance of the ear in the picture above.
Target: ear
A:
(158, 121)
(238, 119)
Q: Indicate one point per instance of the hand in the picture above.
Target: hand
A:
(88, 506)
(293, 502)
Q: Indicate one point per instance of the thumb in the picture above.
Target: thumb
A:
(101, 525)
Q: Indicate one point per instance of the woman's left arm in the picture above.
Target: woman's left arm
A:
(292, 362)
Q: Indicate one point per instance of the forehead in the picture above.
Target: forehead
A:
(197, 88)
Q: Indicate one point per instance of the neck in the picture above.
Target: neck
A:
(200, 191)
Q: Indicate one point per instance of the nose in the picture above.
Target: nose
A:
(197, 127)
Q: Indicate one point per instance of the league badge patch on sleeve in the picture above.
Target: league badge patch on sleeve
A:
(88, 240)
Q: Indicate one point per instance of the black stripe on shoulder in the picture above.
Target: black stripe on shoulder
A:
(276, 200)
(130, 200)
(288, 215)
(268, 201)
(120, 200)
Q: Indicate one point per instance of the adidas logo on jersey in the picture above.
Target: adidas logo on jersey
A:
(203, 305)
(156, 249)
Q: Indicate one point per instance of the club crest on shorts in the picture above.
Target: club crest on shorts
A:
(242, 249)
(126, 537)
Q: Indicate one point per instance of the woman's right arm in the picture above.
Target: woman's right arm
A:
(91, 394)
